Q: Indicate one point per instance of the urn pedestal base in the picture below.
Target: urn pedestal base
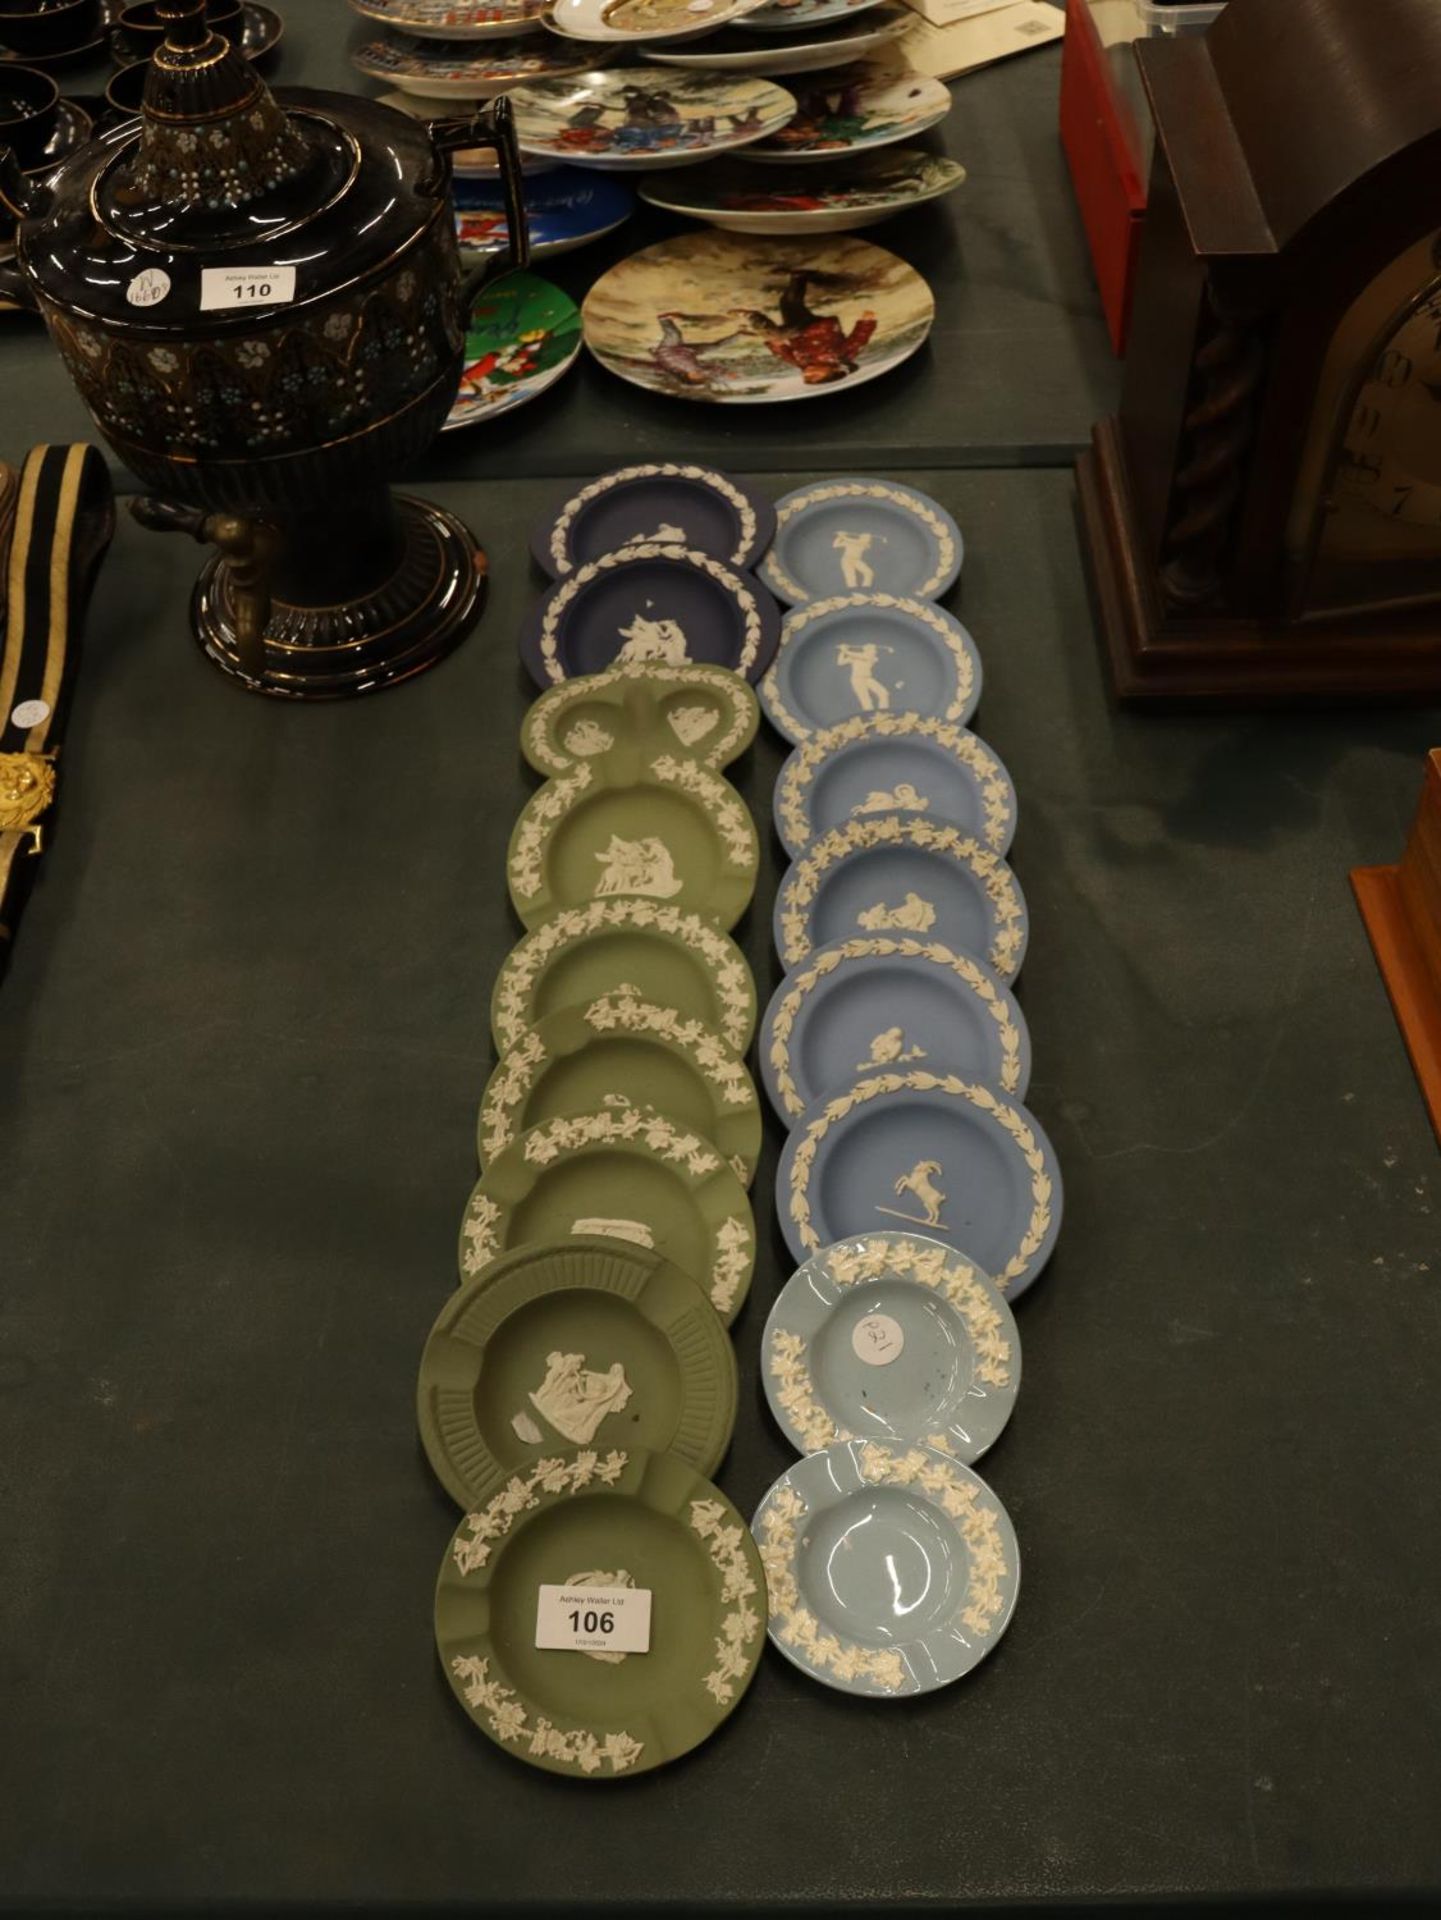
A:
(319, 644)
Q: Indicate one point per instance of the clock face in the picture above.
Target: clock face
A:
(1366, 523)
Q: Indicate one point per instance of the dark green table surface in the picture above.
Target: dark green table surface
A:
(241, 1046)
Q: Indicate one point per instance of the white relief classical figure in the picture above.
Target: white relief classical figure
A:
(690, 724)
(635, 1230)
(856, 569)
(920, 1183)
(665, 535)
(637, 866)
(914, 915)
(889, 1049)
(902, 798)
(647, 639)
(575, 1400)
(872, 696)
(587, 737)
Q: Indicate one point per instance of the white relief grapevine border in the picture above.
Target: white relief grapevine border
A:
(918, 1080)
(802, 882)
(741, 1624)
(543, 813)
(864, 490)
(722, 802)
(799, 618)
(527, 963)
(998, 798)
(649, 550)
(885, 946)
(665, 470)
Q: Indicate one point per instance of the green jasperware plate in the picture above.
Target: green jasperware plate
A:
(667, 955)
(620, 1050)
(621, 1173)
(589, 1342)
(678, 832)
(618, 1517)
(707, 712)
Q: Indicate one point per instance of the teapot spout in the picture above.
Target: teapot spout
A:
(20, 195)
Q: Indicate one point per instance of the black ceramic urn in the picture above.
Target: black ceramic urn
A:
(261, 301)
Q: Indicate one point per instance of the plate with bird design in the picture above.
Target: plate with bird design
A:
(617, 1050)
(902, 873)
(729, 318)
(670, 605)
(894, 763)
(854, 110)
(636, 117)
(590, 1342)
(624, 1174)
(891, 1337)
(665, 954)
(890, 1569)
(836, 1015)
(863, 654)
(609, 1520)
(677, 832)
(935, 1153)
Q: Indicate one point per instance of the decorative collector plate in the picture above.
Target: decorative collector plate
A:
(853, 111)
(652, 602)
(467, 69)
(894, 763)
(565, 208)
(934, 1152)
(620, 1050)
(902, 873)
(886, 1000)
(624, 1174)
(587, 1343)
(891, 1569)
(739, 50)
(852, 194)
(802, 16)
(669, 956)
(681, 834)
(659, 503)
(455, 20)
(618, 1518)
(636, 20)
(645, 116)
(523, 335)
(641, 709)
(891, 1337)
(719, 317)
(861, 536)
(870, 653)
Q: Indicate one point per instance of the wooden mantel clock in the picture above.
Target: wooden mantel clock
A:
(1263, 518)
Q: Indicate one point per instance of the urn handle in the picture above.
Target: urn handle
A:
(492, 126)
(248, 545)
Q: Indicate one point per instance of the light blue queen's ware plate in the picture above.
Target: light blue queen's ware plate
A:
(860, 654)
(891, 1337)
(890, 1569)
(862, 536)
(930, 1152)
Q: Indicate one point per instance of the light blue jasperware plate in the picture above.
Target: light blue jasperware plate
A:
(932, 1152)
(894, 763)
(902, 873)
(869, 653)
(861, 536)
(885, 1000)
(891, 1337)
(890, 1569)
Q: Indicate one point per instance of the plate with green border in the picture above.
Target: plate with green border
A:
(702, 710)
(678, 832)
(587, 1342)
(623, 1173)
(619, 1049)
(619, 1518)
(666, 955)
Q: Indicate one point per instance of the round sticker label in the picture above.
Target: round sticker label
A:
(877, 1339)
(148, 288)
(30, 713)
